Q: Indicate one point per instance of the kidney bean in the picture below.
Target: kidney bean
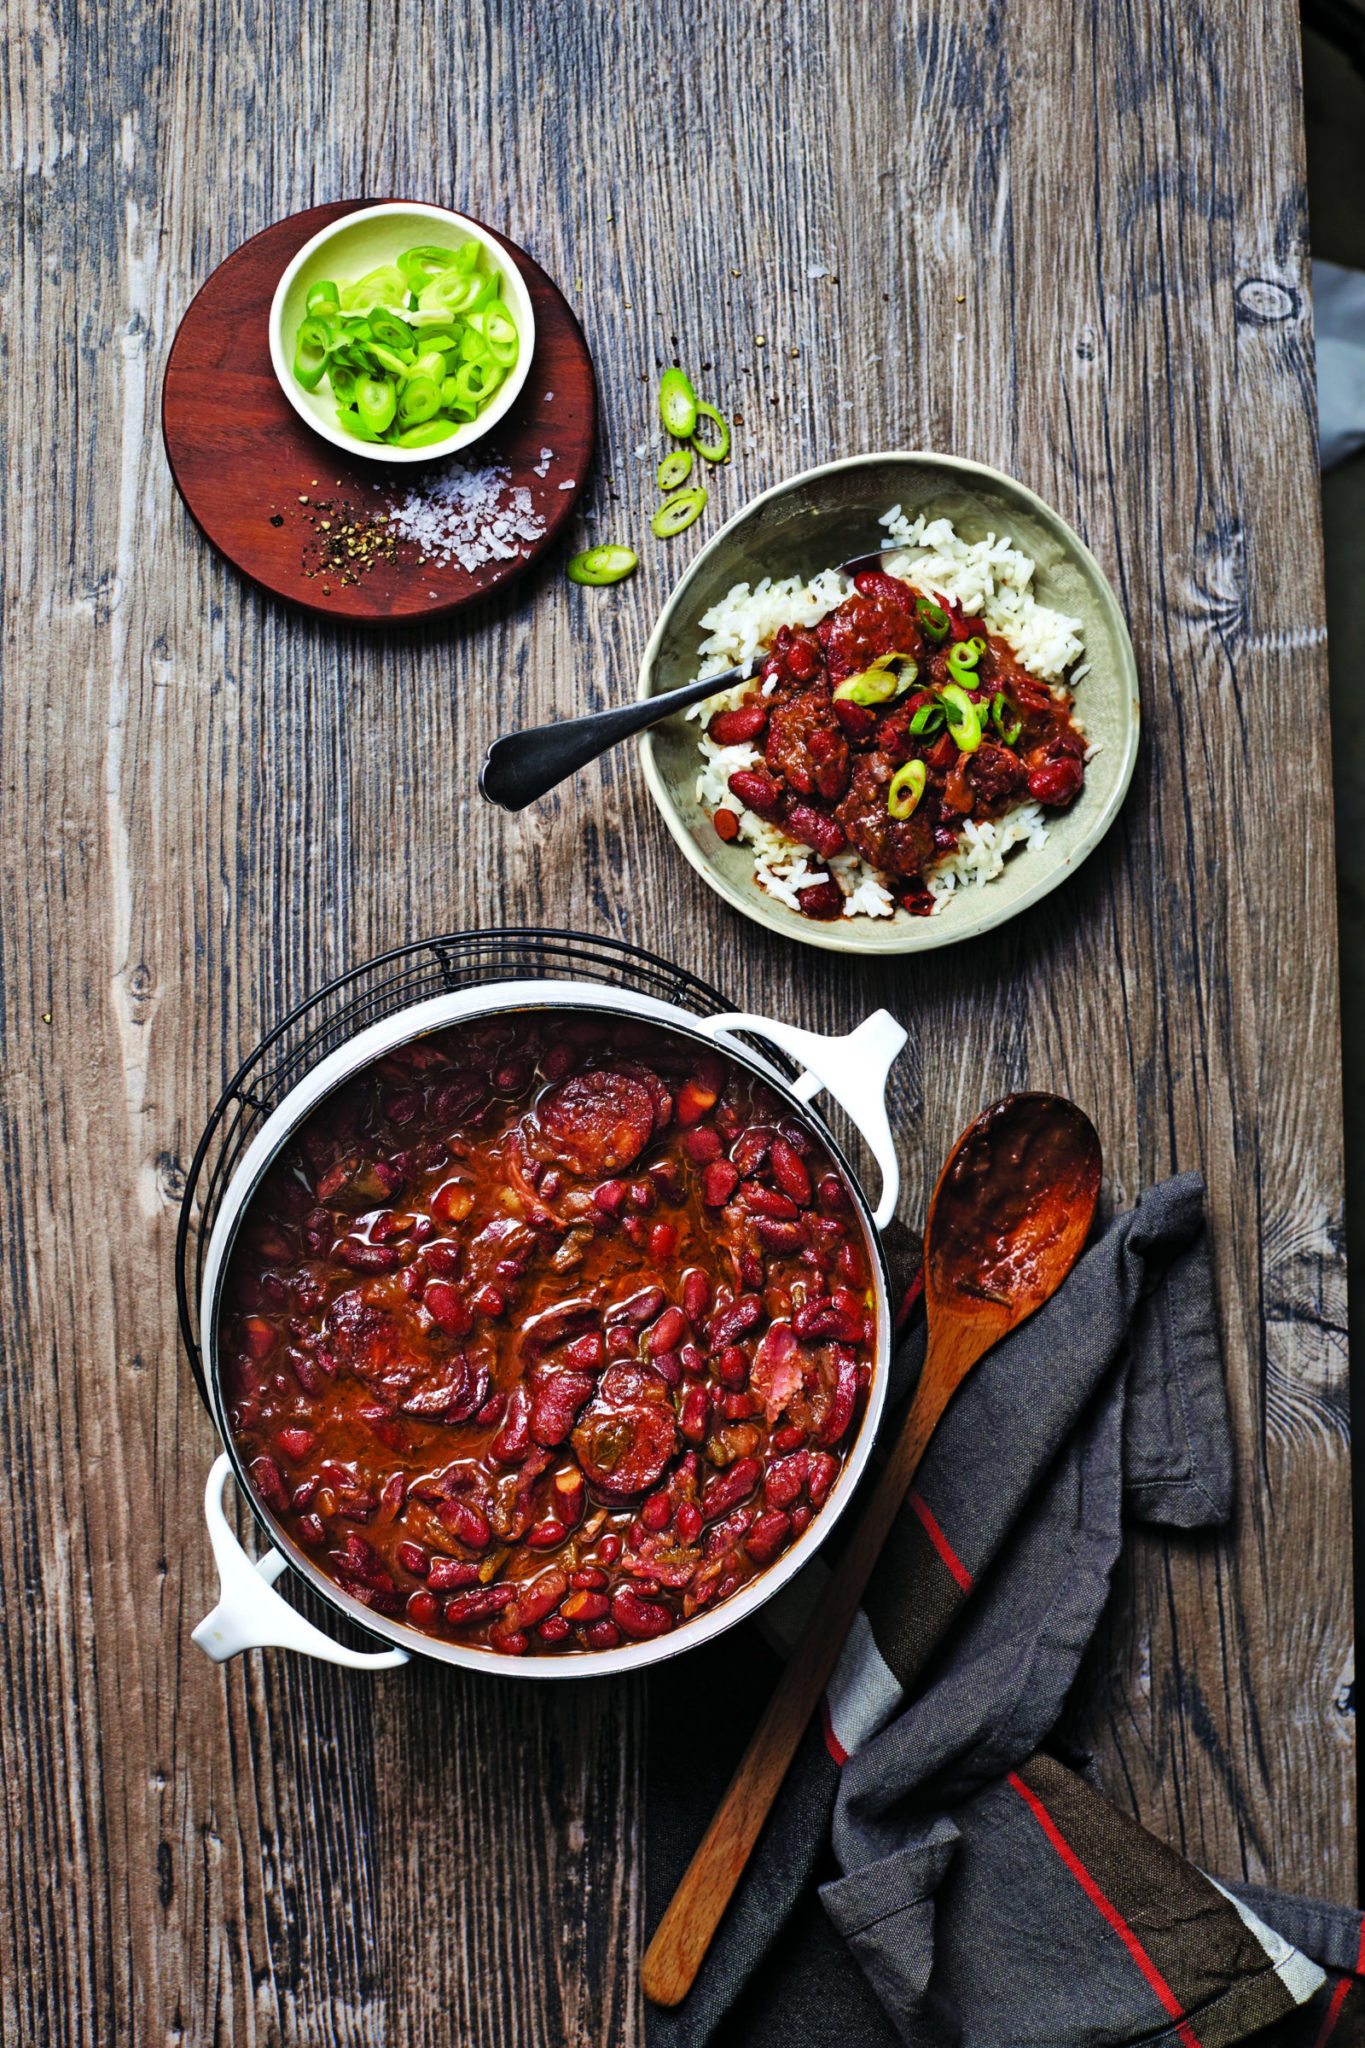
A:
(691, 1361)
(466, 1522)
(444, 1259)
(785, 1479)
(584, 1605)
(513, 1440)
(457, 1099)
(751, 1270)
(688, 1521)
(270, 1484)
(609, 1196)
(511, 1642)
(834, 1195)
(423, 1608)
(739, 726)
(303, 1493)
(840, 1413)
(588, 1577)
(731, 1487)
(640, 1619)
(763, 1201)
(546, 1535)
(695, 1414)
(789, 1171)
(368, 1258)
(642, 1196)
(851, 1264)
(667, 1333)
(858, 721)
(815, 829)
(757, 792)
(621, 1341)
(732, 1368)
(391, 1496)
(726, 824)
(603, 1635)
(559, 1062)
(730, 1323)
(778, 1237)
(738, 1407)
(640, 1308)
(663, 1242)
(701, 1145)
(555, 1406)
(538, 1599)
(768, 1535)
(751, 1149)
(696, 1295)
(447, 1574)
(657, 1512)
(553, 1629)
(478, 1605)
(823, 1470)
(609, 1549)
(725, 1535)
(586, 1353)
(413, 1559)
(310, 1532)
(718, 1183)
(828, 1319)
(448, 1309)
(488, 1301)
(297, 1443)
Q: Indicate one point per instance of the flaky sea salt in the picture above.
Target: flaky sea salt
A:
(546, 457)
(469, 516)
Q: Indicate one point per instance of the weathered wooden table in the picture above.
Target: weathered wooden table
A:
(1069, 240)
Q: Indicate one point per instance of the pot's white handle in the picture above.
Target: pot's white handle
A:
(854, 1069)
(250, 1615)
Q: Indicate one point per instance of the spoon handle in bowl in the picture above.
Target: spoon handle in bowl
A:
(525, 765)
(693, 1914)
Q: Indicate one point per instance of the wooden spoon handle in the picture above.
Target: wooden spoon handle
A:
(694, 1912)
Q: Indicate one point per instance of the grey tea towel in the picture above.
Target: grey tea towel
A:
(937, 1871)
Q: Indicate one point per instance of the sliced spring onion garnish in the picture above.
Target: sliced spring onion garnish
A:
(677, 513)
(928, 718)
(677, 404)
(605, 564)
(964, 717)
(876, 684)
(932, 617)
(675, 469)
(1008, 727)
(962, 660)
(427, 338)
(718, 448)
(907, 787)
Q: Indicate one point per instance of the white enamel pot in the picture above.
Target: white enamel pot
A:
(250, 1613)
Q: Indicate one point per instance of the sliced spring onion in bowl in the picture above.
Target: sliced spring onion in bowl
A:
(876, 684)
(963, 716)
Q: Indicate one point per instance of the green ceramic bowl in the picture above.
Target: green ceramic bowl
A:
(827, 516)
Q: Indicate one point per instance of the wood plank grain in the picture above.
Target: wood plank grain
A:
(1071, 244)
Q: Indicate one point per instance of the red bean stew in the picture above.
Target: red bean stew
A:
(983, 736)
(548, 1332)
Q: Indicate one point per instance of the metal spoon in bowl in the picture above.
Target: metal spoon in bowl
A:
(525, 765)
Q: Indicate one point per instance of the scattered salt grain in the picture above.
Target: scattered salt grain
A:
(568, 483)
(817, 270)
(469, 516)
(546, 457)
(548, 396)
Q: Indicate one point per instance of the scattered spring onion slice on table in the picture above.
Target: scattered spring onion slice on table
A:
(876, 684)
(675, 469)
(963, 716)
(608, 563)
(717, 449)
(1009, 728)
(677, 513)
(907, 787)
(677, 403)
(425, 341)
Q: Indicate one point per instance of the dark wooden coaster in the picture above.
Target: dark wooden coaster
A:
(277, 500)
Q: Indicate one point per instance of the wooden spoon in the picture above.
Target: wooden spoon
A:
(1011, 1212)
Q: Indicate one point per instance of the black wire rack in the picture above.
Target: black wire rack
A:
(377, 989)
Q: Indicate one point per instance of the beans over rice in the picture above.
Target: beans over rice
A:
(907, 727)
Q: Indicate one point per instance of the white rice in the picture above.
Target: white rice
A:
(990, 580)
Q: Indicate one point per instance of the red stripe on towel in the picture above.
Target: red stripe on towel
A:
(832, 1742)
(1170, 2003)
(1339, 1996)
(940, 1541)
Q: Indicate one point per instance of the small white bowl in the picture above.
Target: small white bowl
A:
(349, 249)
